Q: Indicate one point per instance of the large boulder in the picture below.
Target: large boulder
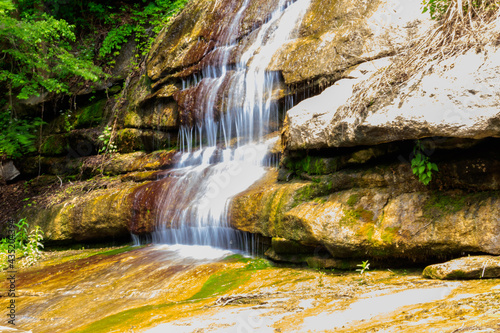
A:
(99, 210)
(472, 267)
(456, 97)
(103, 207)
(335, 35)
(98, 215)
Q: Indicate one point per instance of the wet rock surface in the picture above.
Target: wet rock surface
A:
(377, 220)
(157, 289)
(473, 267)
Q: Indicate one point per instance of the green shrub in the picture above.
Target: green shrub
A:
(16, 136)
(108, 145)
(27, 245)
(436, 8)
(115, 38)
(421, 166)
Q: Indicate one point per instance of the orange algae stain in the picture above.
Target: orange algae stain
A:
(102, 285)
(143, 288)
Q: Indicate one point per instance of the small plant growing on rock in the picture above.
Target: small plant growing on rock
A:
(421, 166)
(364, 266)
(108, 145)
(436, 8)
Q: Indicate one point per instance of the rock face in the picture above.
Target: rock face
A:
(111, 210)
(381, 220)
(345, 185)
(8, 171)
(110, 207)
(351, 146)
(333, 36)
(453, 98)
(474, 267)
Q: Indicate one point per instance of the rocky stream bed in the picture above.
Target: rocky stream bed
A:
(181, 289)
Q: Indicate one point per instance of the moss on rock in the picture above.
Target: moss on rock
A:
(55, 145)
(91, 115)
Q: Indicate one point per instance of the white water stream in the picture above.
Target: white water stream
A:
(194, 208)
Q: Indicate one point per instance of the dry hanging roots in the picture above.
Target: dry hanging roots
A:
(464, 25)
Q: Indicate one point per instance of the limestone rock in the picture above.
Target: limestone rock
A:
(139, 161)
(454, 98)
(8, 171)
(131, 139)
(88, 166)
(110, 211)
(472, 267)
(336, 35)
(330, 263)
(98, 215)
(332, 37)
(196, 31)
(381, 222)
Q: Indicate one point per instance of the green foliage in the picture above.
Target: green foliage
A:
(68, 121)
(436, 8)
(364, 266)
(144, 23)
(421, 166)
(41, 54)
(115, 38)
(36, 56)
(27, 244)
(6, 5)
(107, 143)
(16, 136)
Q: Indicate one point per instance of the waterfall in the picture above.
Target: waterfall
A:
(224, 153)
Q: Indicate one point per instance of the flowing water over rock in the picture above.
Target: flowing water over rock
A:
(194, 208)
(197, 289)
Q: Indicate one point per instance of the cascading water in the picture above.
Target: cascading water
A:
(194, 207)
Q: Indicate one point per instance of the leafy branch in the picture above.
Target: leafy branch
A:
(421, 165)
(27, 244)
(16, 136)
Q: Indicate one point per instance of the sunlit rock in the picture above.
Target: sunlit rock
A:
(456, 97)
(472, 267)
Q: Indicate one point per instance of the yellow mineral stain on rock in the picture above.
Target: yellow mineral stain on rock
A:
(153, 289)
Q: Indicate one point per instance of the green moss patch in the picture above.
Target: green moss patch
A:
(389, 234)
(312, 165)
(353, 200)
(312, 191)
(222, 282)
(440, 204)
(91, 115)
(120, 250)
(125, 318)
(354, 216)
(54, 145)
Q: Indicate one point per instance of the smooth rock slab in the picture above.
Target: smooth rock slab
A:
(475, 267)
(454, 98)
